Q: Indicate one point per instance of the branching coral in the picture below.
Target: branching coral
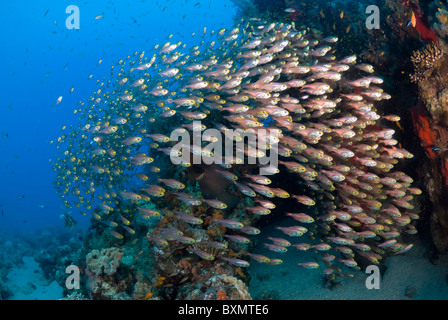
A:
(426, 60)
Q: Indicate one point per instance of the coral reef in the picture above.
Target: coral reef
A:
(426, 61)
(105, 261)
(220, 287)
(102, 281)
(430, 121)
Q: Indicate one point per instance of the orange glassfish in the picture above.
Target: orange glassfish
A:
(413, 20)
(148, 295)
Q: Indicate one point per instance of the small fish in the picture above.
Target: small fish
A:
(259, 258)
(349, 262)
(237, 262)
(304, 200)
(331, 39)
(413, 20)
(184, 239)
(262, 211)
(274, 262)
(309, 265)
(21, 196)
(204, 255)
(131, 140)
(172, 183)
(321, 247)
(301, 217)
(145, 212)
(302, 246)
(236, 238)
(188, 218)
(250, 230)
(115, 234)
(42, 206)
(109, 223)
(158, 240)
(266, 204)
(125, 221)
(148, 296)
(295, 231)
(216, 244)
(365, 67)
(129, 229)
(342, 241)
(290, 10)
(100, 16)
(130, 196)
(215, 203)
(142, 176)
(280, 242)
(228, 223)
(321, 12)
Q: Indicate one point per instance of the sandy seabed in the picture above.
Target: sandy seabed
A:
(28, 283)
(408, 276)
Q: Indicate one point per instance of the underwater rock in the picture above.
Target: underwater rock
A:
(221, 287)
(430, 119)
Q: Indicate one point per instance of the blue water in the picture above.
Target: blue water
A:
(42, 60)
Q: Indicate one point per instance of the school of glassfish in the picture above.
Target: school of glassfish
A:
(276, 76)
